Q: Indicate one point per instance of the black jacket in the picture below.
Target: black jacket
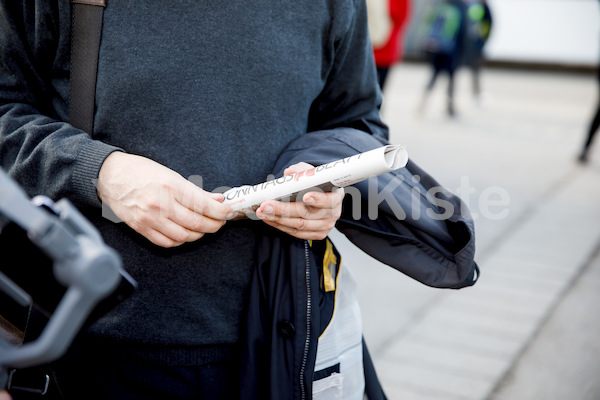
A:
(282, 327)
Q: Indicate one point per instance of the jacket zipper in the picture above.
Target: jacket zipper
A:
(308, 318)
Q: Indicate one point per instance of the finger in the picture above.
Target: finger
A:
(193, 221)
(170, 237)
(280, 209)
(177, 233)
(203, 202)
(330, 200)
(292, 169)
(154, 226)
(301, 210)
(320, 220)
(300, 234)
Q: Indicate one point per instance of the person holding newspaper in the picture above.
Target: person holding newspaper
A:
(190, 97)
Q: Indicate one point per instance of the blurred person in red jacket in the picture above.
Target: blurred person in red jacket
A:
(387, 20)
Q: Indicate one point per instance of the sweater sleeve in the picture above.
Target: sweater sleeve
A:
(351, 96)
(38, 147)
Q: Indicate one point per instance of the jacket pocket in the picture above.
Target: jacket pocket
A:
(328, 388)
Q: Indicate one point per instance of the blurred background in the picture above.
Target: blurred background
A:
(542, 32)
(530, 328)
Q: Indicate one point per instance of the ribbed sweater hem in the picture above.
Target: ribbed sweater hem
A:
(85, 174)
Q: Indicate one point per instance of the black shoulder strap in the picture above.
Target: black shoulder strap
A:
(86, 30)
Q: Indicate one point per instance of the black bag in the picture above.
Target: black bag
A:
(32, 271)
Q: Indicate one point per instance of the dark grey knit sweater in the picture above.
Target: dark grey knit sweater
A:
(207, 88)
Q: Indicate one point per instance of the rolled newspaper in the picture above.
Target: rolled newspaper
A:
(339, 173)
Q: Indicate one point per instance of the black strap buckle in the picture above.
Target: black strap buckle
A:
(27, 385)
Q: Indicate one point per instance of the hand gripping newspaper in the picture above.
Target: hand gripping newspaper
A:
(340, 173)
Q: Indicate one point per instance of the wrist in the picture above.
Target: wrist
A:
(109, 166)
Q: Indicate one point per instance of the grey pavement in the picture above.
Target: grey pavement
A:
(530, 328)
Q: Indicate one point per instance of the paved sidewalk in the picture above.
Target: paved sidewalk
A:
(537, 216)
(562, 361)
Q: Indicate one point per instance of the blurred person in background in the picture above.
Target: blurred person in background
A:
(479, 21)
(444, 32)
(387, 21)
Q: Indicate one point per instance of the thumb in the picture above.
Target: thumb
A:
(295, 168)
